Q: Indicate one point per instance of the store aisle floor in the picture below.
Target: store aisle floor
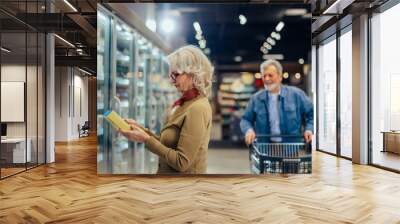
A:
(70, 191)
(228, 161)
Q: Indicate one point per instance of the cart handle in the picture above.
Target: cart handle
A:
(285, 136)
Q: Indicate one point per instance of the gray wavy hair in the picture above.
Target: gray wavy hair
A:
(191, 60)
(272, 62)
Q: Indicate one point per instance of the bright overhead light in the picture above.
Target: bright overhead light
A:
(295, 12)
(285, 75)
(268, 46)
(70, 5)
(237, 58)
(86, 72)
(168, 25)
(264, 50)
(257, 75)
(297, 75)
(151, 24)
(275, 35)
(196, 26)
(5, 50)
(271, 41)
(65, 41)
(301, 61)
(273, 56)
(202, 41)
(280, 26)
(242, 19)
(198, 36)
(334, 7)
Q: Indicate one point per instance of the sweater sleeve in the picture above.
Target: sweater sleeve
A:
(192, 134)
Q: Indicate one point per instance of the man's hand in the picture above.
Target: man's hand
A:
(307, 136)
(250, 136)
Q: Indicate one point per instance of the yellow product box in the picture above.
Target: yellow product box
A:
(117, 120)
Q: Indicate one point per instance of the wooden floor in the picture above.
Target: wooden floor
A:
(69, 191)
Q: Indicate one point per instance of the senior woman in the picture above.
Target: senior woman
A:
(183, 144)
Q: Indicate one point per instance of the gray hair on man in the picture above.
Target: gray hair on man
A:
(272, 62)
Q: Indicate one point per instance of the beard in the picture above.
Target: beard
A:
(271, 87)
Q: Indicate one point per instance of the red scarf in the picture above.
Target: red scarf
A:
(188, 95)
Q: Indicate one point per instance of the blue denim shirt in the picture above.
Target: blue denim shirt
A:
(295, 108)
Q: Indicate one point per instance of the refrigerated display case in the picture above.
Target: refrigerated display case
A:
(135, 85)
(103, 70)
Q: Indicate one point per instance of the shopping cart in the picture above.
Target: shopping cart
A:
(292, 156)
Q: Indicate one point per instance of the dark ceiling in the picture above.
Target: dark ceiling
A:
(227, 38)
(55, 16)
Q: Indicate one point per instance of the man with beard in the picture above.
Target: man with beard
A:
(277, 110)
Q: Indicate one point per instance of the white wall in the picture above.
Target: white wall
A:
(69, 85)
(12, 73)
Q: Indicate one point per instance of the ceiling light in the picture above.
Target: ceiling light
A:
(285, 75)
(70, 5)
(198, 36)
(301, 61)
(273, 56)
(202, 41)
(297, 76)
(242, 19)
(237, 58)
(295, 12)
(280, 26)
(271, 41)
(257, 75)
(333, 8)
(151, 24)
(196, 26)
(65, 41)
(84, 71)
(168, 25)
(202, 46)
(268, 46)
(5, 50)
(277, 36)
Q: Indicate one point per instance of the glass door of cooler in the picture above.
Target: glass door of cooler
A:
(103, 75)
(153, 76)
(122, 95)
(139, 100)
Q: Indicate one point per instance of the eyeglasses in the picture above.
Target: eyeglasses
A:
(173, 76)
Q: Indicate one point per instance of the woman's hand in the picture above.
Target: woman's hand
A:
(133, 123)
(135, 135)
